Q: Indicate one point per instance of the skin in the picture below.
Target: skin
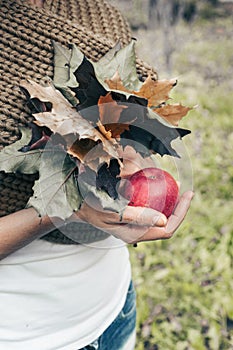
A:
(136, 224)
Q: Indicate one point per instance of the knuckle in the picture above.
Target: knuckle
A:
(168, 235)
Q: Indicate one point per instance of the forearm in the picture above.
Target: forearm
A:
(20, 228)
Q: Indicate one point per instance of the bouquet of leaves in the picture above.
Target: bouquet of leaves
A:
(85, 123)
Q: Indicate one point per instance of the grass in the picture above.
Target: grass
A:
(184, 285)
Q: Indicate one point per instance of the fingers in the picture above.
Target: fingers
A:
(180, 212)
(174, 221)
(152, 234)
(131, 215)
(143, 216)
(138, 224)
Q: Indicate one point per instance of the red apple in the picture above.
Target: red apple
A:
(153, 188)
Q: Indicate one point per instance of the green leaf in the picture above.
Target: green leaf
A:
(110, 54)
(56, 192)
(87, 186)
(12, 160)
(66, 62)
(123, 61)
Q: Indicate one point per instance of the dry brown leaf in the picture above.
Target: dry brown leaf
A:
(80, 148)
(104, 131)
(65, 120)
(110, 112)
(172, 113)
(115, 83)
(117, 129)
(156, 92)
(109, 109)
(133, 161)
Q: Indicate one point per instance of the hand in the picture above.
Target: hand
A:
(173, 222)
(136, 224)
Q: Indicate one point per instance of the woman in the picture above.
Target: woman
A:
(56, 296)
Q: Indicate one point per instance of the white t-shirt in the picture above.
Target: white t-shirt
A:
(61, 297)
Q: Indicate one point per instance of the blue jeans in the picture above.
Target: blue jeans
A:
(121, 329)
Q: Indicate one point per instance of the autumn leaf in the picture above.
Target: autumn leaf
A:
(14, 160)
(56, 192)
(156, 92)
(80, 148)
(66, 121)
(122, 61)
(133, 161)
(104, 131)
(84, 137)
(153, 136)
(110, 55)
(115, 83)
(172, 113)
(102, 187)
(109, 110)
(66, 62)
(89, 88)
(39, 138)
(110, 113)
(108, 177)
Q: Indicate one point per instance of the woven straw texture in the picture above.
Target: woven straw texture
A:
(26, 52)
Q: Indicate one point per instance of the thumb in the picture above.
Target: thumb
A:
(143, 216)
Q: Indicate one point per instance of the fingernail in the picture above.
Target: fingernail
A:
(160, 221)
(191, 195)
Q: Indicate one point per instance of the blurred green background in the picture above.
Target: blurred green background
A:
(184, 285)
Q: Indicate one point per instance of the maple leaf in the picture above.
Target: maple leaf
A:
(82, 132)
(102, 187)
(14, 160)
(152, 136)
(172, 113)
(108, 177)
(66, 121)
(56, 192)
(39, 138)
(123, 61)
(133, 161)
(156, 92)
(110, 113)
(89, 88)
(109, 110)
(68, 60)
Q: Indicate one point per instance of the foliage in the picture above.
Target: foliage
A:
(184, 285)
(84, 122)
